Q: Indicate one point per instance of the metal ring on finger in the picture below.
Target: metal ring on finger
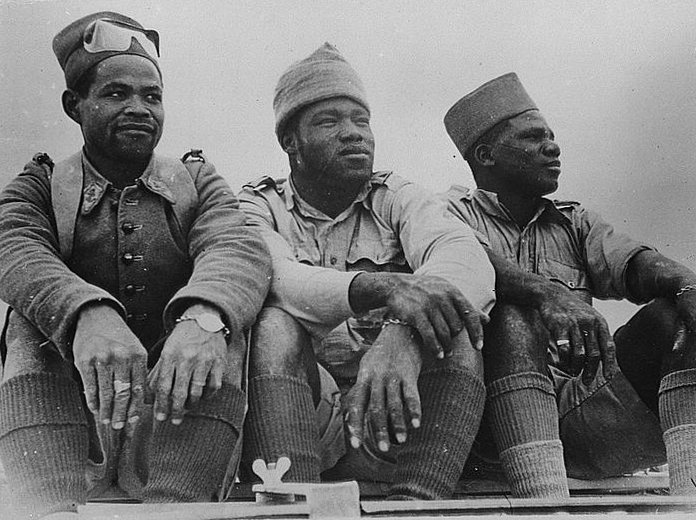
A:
(585, 333)
(563, 342)
(120, 387)
(197, 383)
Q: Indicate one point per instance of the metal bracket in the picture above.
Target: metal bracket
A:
(328, 500)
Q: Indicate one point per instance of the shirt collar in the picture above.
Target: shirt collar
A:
(96, 185)
(292, 199)
(492, 206)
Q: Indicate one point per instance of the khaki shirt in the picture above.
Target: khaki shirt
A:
(392, 225)
(563, 242)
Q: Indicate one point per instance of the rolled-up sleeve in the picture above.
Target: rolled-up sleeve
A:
(607, 255)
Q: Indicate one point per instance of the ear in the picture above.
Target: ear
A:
(289, 142)
(483, 155)
(71, 100)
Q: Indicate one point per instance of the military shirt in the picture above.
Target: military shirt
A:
(392, 225)
(563, 242)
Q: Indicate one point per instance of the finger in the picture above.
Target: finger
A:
(106, 392)
(378, 417)
(198, 383)
(563, 346)
(592, 357)
(412, 402)
(151, 384)
(182, 382)
(442, 331)
(474, 327)
(163, 389)
(428, 337)
(355, 412)
(577, 351)
(214, 382)
(122, 394)
(452, 318)
(89, 382)
(138, 380)
(395, 408)
(608, 350)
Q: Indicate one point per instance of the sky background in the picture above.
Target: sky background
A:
(615, 79)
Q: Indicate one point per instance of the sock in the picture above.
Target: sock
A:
(43, 443)
(281, 422)
(431, 461)
(523, 416)
(677, 405)
(187, 463)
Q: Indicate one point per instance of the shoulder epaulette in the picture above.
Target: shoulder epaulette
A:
(263, 182)
(193, 155)
(461, 192)
(565, 204)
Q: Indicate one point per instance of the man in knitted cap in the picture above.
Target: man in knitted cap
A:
(374, 282)
(560, 389)
(114, 261)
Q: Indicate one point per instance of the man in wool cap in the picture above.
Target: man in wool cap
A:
(126, 272)
(376, 303)
(564, 397)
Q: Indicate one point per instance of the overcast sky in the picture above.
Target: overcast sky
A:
(615, 79)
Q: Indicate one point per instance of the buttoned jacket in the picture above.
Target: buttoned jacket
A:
(130, 251)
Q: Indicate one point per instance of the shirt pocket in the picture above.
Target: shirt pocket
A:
(307, 252)
(572, 277)
(382, 253)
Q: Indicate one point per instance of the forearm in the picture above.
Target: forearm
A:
(370, 290)
(651, 275)
(516, 286)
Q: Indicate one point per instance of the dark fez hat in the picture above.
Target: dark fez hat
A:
(96, 37)
(479, 111)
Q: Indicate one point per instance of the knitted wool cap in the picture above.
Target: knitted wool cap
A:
(495, 101)
(75, 60)
(324, 74)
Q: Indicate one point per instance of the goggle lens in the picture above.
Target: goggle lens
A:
(112, 35)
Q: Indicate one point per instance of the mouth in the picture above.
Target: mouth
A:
(354, 152)
(553, 166)
(139, 128)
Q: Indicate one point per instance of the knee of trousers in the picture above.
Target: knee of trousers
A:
(278, 343)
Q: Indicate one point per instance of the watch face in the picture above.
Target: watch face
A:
(210, 322)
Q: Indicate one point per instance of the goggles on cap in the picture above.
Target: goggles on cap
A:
(113, 35)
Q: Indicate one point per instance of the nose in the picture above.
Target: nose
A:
(136, 106)
(350, 131)
(551, 149)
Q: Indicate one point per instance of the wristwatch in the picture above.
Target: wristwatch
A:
(207, 321)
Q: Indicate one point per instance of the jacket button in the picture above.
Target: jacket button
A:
(127, 258)
(127, 227)
(129, 290)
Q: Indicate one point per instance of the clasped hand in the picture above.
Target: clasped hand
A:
(581, 334)
(113, 366)
(437, 310)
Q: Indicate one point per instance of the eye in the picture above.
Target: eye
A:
(325, 121)
(362, 121)
(154, 98)
(115, 94)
